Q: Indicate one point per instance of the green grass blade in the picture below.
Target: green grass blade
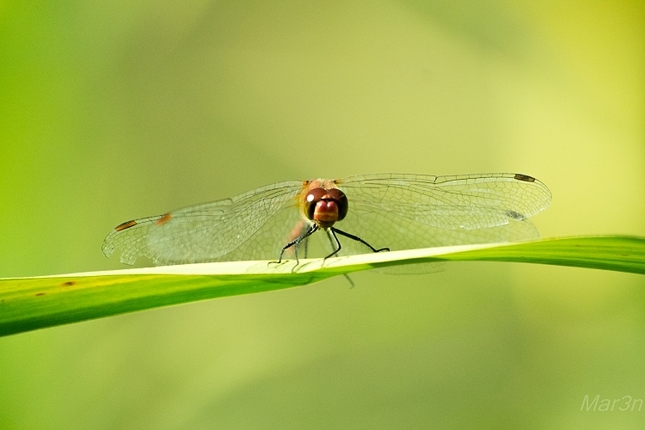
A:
(618, 253)
(33, 303)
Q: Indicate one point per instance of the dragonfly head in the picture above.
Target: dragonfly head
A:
(325, 207)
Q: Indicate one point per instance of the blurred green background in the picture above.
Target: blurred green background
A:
(115, 110)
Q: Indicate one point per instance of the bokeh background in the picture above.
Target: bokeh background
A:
(115, 110)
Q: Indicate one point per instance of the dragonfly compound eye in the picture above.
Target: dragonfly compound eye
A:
(341, 200)
(311, 200)
(325, 207)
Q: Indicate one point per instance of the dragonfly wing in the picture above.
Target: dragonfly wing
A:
(410, 211)
(245, 226)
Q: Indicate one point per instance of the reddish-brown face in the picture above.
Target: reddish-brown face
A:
(325, 207)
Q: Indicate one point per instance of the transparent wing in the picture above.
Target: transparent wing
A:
(399, 211)
(403, 211)
(254, 225)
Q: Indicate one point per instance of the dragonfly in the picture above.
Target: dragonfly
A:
(354, 215)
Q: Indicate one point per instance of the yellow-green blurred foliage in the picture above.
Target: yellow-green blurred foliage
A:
(115, 110)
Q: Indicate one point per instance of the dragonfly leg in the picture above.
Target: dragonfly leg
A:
(312, 229)
(332, 233)
(356, 238)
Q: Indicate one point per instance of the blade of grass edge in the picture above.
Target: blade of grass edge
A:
(617, 253)
(33, 303)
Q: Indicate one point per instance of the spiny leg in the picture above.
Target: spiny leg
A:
(356, 238)
(306, 244)
(312, 229)
(332, 233)
(333, 240)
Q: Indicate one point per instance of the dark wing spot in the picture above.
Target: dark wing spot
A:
(125, 225)
(40, 294)
(525, 178)
(164, 219)
(515, 215)
(68, 284)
